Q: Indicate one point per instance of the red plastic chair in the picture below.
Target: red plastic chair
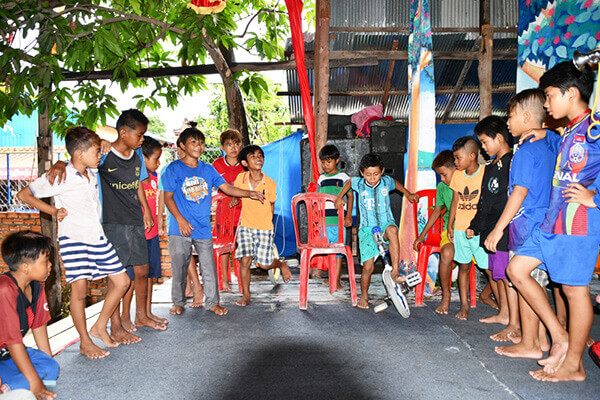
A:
(224, 236)
(432, 245)
(317, 243)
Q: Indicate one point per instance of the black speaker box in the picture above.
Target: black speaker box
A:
(388, 136)
(340, 127)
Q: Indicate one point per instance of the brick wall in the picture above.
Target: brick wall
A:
(16, 221)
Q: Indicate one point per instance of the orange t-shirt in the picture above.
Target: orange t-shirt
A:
(468, 188)
(257, 215)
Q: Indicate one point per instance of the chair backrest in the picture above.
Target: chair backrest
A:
(225, 221)
(427, 197)
(317, 227)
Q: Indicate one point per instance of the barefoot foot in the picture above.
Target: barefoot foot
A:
(102, 334)
(558, 351)
(128, 325)
(444, 306)
(150, 323)
(520, 351)
(495, 319)
(90, 350)
(243, 302)
(506, 334)
(363, 303)
(226, 287)
(124, 337)
(158, 319)
(285, 272)
(218, 310)
(463, 313)
(176, 310)
(489, 301)
(562, 374)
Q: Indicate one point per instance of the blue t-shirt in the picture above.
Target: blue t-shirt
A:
(374, 202)
(532, 167)
(578, 161)
(192, 192)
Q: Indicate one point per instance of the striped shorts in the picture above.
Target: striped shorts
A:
(88, 261)
(255, 243)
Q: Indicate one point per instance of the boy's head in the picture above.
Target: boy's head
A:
(28, 251)
(231, 142)
(443, 164)
(152, 150)
(371, 168)
(83, 144)
(252, 157)
(465, 150)
(329, 156)
(131, 126)
(493, 134)
(191, 141)
(563, 84)
(525, 111)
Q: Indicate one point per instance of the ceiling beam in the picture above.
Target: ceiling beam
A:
(357, 93)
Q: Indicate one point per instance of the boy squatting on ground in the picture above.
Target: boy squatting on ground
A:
(85, 251)
(443, 164)
(188, 185)
(466, 184)
(120, 172)
(529, 188)
(256, 231)
(373, 191)
(331, 181)
(567, 240)
(229, 168)
(23, 305)
(495, 141)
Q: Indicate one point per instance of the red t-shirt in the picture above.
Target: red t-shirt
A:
(229, 173)
(10, 327)
(151, 192)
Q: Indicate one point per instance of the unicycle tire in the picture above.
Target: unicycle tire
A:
(394, 292)
(275, 273)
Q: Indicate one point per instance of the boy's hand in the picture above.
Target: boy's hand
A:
(417, 243)
(535, 135)
(185, 228)
(105, 146)
(40, 391)
(161, 231)
(577, 193)
(58, 170)
(492, 240)
(61, 214)
(339, 203)
(348, 221)
(257, 196)
(148, 221)
(234, 202)
(413, 197)
(470, 233)
(450, 231)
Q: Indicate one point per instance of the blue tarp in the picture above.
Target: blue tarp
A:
(282, 164)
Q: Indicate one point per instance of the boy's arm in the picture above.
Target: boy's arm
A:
(28, 198)
(185, 228)
(40, 335)
(19, 355)
(349, 206)
(514, 203)
(58, 170)
(577, 193)
(452, 216)
(437, 212)
(161, 212)
(148, 220)
(238, 192)
(412, 197)
(340, 197)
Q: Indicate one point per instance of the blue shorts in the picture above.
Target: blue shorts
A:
(366, 243)
(46, 367)
(570, 259)
(467, 249)
(332, 236)
(154, 257)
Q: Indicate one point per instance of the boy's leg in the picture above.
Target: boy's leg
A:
(46, 367)
(127, 298)
(486, 296)
(581, 316)
(445, 274)
(120, 284)
(500, 293)
(464, 271)
(225, 260)
(77, 307)
(513, 329)
(391, 235)
(245, 280)
(194, 282)
(365, 281)
(205, 250)
(117, 332)
(180, 251)
(496, 272)
(141, 291)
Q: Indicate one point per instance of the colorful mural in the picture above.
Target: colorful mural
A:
(421, 125)
(550, 31)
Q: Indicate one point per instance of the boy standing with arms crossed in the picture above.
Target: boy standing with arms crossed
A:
(331, 181)
(23, 305)
(443, 164)
(567, 240)
(229, 168)
(84, 249)
(256, 231)
(373, 191)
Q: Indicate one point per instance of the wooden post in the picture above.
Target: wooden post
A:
(48, 223)
(388, 80)
(322, 73)
(486, 53)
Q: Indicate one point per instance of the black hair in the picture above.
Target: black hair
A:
(246, 151)
(466, 142)
(131, 118)
(445, 158)
(329, 152)
(150, 145)
(565, 75)
(24, 246)
(191, 132)
(370, 160)
(80, 138)
(491, 126)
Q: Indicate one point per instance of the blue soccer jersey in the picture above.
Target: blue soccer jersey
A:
(374, 202)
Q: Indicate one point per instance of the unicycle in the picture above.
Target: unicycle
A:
(275, 273)
(395, 291)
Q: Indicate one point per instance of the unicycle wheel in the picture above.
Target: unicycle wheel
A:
(275, 273)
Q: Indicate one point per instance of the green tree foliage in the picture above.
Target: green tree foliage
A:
(41, 41)
(157, 126)
(263, 109)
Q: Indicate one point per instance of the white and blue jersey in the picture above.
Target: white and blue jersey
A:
(374, 202)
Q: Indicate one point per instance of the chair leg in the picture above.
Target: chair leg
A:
(332, 271)
(219, 270)
(473, 285)
(351, 276)
(236, 271)
(422, 261)
(304, 266)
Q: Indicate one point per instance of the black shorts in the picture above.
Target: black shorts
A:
(129, 241)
